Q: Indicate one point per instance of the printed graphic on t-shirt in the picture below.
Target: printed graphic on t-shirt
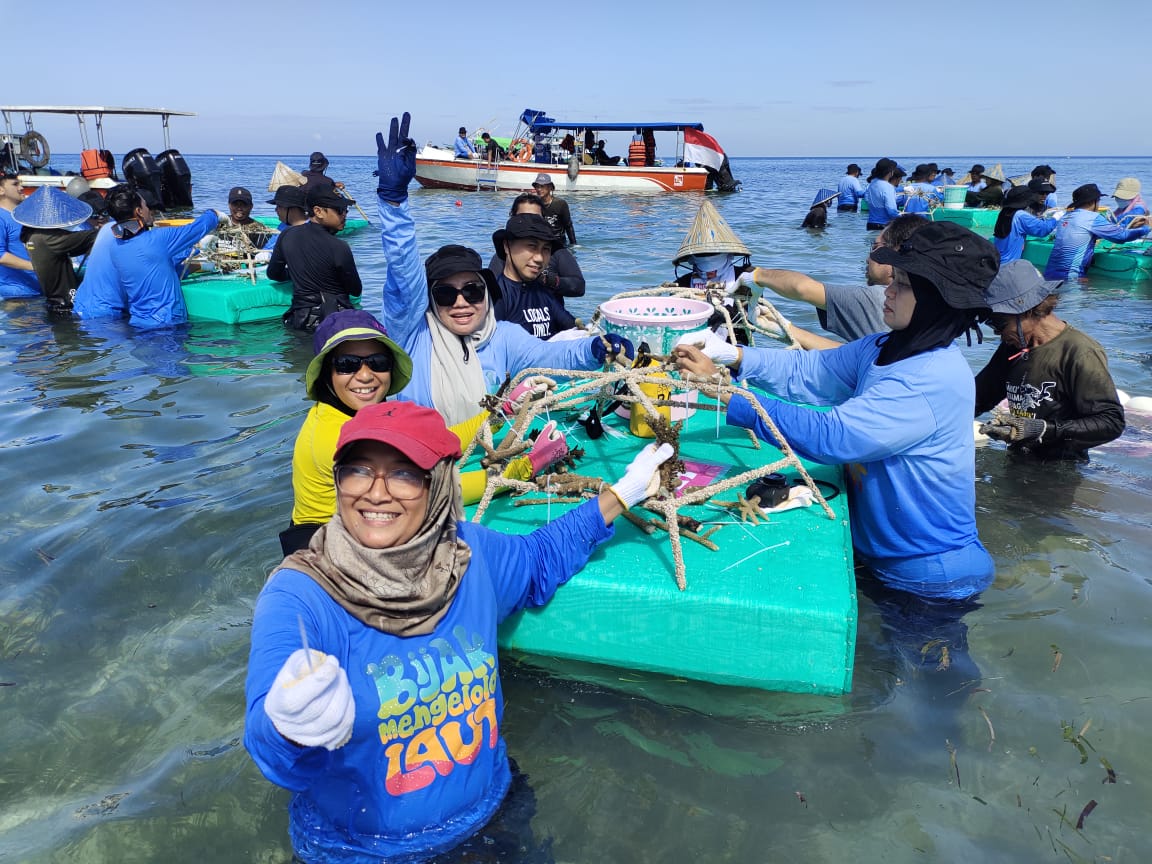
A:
(1025, 398)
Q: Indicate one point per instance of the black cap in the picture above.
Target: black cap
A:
(524, 226)
(96, 201)
(960, 264)
(317, 161)
(448, 260)
(326, 196)
(976, 169)
(1086, 194)
(288, 196)
(239, 193)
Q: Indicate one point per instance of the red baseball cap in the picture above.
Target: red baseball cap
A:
(417, 432)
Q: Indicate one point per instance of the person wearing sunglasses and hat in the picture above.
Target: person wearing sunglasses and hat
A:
(1019, 219)
(442, 313)
(357, 365)
(526, 244)
(373, 690)
(52, 236)
(317, 262)
(17, 275)
(899, 415)
(1061, 398)
(1080, 228)
(1129, 204)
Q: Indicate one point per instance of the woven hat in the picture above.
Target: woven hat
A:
(824, 196)
(1127, 189)
(709, 235)
(282, 175)
(996, 172)
(50, 207)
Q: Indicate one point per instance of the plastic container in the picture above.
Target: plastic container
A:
(659, 321)
(954, 197)
(638, 421)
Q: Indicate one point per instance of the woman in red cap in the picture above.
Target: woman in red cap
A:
(373, 689)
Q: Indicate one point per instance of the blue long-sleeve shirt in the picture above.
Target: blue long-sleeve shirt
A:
(13, 282)
(1075, 243)
(850, 189)
(922, 202)
(904, 432)
(406, 300)
(426, 765)
(1024, 225)
(464, 148)
(881, 198)
(100, 294)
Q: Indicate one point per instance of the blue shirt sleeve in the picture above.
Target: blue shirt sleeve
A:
(405, 285)
(1033, 226)
(179, 239)
(1106, 230)
(810, 377)
(525, 351)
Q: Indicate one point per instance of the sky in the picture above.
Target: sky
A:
(833, 78)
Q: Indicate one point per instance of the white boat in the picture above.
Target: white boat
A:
(563, 150)
(28, 154)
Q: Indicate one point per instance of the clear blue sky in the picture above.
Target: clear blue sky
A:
(766, 78)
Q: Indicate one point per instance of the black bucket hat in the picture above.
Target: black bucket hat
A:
(961, 265)
(1019, 197)
(1086, 194)
(524, 226)
(451, 259)
(289, 196)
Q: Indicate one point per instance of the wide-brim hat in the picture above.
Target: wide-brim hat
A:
(543, 180)
(524, 226)
(1127, 189)
(288, 196)
(349, 325)
(824, 196)
(709, 235)
(282, 175)
(317, 161)
(995, 174)
(50, 207)
(418, 432)
(1086, 194)
(1018, 287)
(1019, 197)
(326, 196)
(960, 264)
(451, 259)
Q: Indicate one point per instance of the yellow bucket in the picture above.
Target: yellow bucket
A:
(638, 418)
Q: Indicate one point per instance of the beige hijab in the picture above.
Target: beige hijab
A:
(457, 376)
(404, 590)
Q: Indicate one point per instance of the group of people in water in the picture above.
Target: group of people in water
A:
(373, 689)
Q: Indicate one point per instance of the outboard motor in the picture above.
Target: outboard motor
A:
(141, 171)
(723, 179)
(8, 160)
(176, 180)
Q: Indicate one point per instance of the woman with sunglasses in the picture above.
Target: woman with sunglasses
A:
(373, 689)
(442, 313)
(357, 365)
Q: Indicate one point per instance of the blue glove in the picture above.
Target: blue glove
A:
(616, 345)
(395, 161)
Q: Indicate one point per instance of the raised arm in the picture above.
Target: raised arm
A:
(405, 286)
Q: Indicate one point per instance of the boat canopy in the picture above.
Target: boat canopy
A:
(80, 111)
(537, 122)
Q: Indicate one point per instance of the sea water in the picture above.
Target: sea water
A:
(146, 477)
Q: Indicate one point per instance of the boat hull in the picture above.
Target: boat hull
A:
(774, 608)
(438, 169)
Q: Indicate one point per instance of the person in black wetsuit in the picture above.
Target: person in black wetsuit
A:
(315, 178)
(320, 266)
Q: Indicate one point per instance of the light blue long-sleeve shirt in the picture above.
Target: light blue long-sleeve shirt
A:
(904, 432)
(464, 148)
(1075, 244)
(510, 349)
(851, 189)
(1024, 225)
(881, 198)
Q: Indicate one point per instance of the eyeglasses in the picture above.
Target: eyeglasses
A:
(349, 364)
(402, 484)
(445, 295)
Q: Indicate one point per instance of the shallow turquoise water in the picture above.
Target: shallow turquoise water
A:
(147, 476)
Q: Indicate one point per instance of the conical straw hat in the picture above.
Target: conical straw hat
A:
(285, 176)
(710, 235)
(49, 207)
(995, 173)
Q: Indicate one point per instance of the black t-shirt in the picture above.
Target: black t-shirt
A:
(536, 309)
(560, 219)
(321, 268)
(50, 250)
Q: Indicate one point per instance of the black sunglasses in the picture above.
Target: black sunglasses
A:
(349, 364)
(445, 295)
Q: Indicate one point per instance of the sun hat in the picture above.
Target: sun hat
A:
(1086, 194)
(451, 259)
(51, 207)
(957, 262)
(417, 432)
(348, 325)
(1019, 197)
(524, 226)
(1018, 287)
(543, 180)
(709, 235)
(317, 161)
(288, 196)
(239, 193)
(325, 196)
(1127, 189)
(1041, 186)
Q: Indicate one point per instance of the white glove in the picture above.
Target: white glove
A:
(263, 256)
(223, 217)
(205, 266)
(312, 707)
(767, 321)
(714, 348)
(641, 480)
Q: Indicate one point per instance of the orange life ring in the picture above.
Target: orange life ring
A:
(519, 150)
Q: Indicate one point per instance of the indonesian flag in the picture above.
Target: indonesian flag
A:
(702, 149)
